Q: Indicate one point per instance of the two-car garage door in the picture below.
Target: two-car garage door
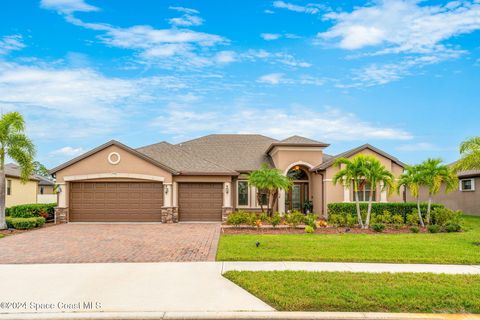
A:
(142, 201)
(116, 201)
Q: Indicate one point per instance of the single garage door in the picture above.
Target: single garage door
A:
(200, 201)
(116, 201)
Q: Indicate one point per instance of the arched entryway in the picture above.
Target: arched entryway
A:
(298, 197)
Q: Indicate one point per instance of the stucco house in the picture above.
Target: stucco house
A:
(202, 179)
(466, 198)
(36, 190)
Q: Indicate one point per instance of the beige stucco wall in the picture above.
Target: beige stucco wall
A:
(21, 193)
(284, 157)
(466, 201)
(46, 189)
(202, 178)
(335, 193)
(98, 164)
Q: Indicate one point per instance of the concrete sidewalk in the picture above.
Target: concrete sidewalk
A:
(348, 267)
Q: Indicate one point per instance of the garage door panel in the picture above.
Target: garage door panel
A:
(116, 201)
(200, 201)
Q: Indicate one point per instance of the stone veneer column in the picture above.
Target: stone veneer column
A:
(61, 210)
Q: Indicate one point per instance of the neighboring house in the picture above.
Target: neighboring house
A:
(31, 191)
(200, 180)
(466, 198)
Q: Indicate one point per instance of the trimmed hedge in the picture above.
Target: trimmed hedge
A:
(25, 223)
(400, 208)
(32, 210)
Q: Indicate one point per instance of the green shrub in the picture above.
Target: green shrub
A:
(295, 218)
(412, 218)
(384, 218)
(24, 223)
(309, 229)
(444, 216)
(414, 230)
(397, 220)
(433, 228)
(337, 220)
(32, 210)
(275, 219)
(264, 218)
(352, 221)
(453, 227)
(252, 219)
(237, 218)
(394, 208)
(378, 227)
(311, 220)
(8, 220)
(40, 221)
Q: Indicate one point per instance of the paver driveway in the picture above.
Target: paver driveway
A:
(81, 243)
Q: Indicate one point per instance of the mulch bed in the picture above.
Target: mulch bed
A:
(10, 232)
(300, 230)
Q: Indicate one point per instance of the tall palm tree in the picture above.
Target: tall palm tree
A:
(433, 175)
(412, 180)
(376, 174)
(470, 155)
(352, 171)
(18, 147)
(268, 181)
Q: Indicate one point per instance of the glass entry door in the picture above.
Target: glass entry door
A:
(297, 196)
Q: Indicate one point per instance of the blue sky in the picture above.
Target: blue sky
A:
(401, 75)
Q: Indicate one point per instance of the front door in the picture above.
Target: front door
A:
(297, 196)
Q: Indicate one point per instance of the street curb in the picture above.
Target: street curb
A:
(235, 315)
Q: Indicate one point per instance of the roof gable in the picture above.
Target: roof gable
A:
(119, 145)
(354, 151)
(296, 141)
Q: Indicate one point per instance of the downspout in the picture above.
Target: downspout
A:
(323, 194)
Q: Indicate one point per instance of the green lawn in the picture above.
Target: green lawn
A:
(365, 292)
(446, 248)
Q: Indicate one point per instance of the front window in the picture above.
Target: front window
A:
(9, 187)
(263, 198)
(467, 185)
(296, 173)
(363, 192)
(242, 191)
(41, 190)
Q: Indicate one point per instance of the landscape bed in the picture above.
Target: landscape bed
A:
(362, 292)
(441, 248)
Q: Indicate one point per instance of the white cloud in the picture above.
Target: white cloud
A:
(311, 8)
(268, 11)
(68, 6)
(275, 58)
(402, 25)
(186, 21)
(279, 78)
(272, 78)
(226, 56)
(270, 36)
(11, 43)
(67, 151)
(328, 124)
(184, 10)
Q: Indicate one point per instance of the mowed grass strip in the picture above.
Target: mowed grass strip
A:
(441, 248)
(363, 292)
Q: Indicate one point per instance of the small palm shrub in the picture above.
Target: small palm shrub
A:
(311, 220)
(309, 229)
(275, 219)
(294, 218)
(414, 229)
(378, 227)
(433, 228)
(237, 218)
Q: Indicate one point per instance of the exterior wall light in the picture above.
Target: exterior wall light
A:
(226, 189)
(166, 190)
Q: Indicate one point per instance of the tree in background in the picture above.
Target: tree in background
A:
(352, 172)
(17, 146)
(40, 169)
(376, 174)
(433, 175)
(411, 179)
(268, 181)
(470, 155)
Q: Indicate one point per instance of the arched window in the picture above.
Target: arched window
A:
(297, 173)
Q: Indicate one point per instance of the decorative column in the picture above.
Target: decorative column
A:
(281, 201)
(169, 212)
(383, 194)
(61, 210)
(227, 200)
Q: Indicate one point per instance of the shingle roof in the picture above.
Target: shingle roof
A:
(297, 141)
(13, 170)
(468, 173)
(182, 160)
(353, 151)
(43, 181)
(239, 152)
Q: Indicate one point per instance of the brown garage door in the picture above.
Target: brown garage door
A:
(200, 201)
(116, 201)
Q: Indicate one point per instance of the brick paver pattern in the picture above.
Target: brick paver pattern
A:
(86, 243)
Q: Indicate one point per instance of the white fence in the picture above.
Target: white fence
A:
(46, 198)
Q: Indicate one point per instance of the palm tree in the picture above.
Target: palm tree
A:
(17, 146)
(268, 181)
(470, 155)
(376, 173)
(352, 171)
(412, 180)
(433, 175)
